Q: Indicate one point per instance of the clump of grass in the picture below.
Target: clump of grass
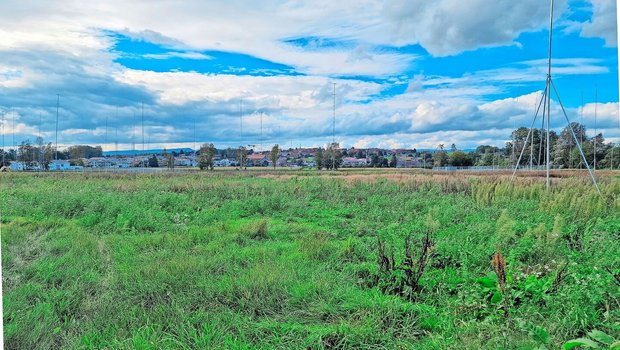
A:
(316, 245)
(257, 230)
(505, 231)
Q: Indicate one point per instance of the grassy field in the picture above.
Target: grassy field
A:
(280, 261)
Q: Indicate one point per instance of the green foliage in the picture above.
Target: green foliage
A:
(225, 260)
(207, 153)
(274, 154)
(595, 340)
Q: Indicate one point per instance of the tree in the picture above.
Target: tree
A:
(460, 158)
(440, 158)
(274, 155)
(375, 161)
(453, 148)
(612, 158)
(153, 163)
(319, 158)
(333, 157)
(207, 152)
(242, 157)
(83, 151)
(393, 161)
(170, 161)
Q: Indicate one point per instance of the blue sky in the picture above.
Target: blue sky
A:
(407, 74)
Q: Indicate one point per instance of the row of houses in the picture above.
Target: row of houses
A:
(292, 158)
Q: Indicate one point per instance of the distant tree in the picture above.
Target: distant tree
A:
(319, 158)
(153, 163)
(82, 151)
(333, 157)
(384, 163)
(207, 152)
(440, 158)
(453, 148)
(612, 158)
(393, 161)
(460, 158)
(274, 155)
(170, 161)
(242, 157)
(487, 159)
(375, 161)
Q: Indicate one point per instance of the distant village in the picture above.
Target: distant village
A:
(527, 152)
(189, 158)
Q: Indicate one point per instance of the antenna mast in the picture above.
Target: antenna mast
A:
(595, 130)
(3, 150)
(142, 127)
(334, 117)
(546, 101)
(57, 106)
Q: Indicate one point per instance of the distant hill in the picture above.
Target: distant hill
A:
(146, 152)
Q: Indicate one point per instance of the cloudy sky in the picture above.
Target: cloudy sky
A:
(408, 73)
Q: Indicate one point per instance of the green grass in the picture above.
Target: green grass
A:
(233, 261)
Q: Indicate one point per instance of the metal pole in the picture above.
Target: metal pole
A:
(530, 133)
(583, 157)
(334, 117)
(40, 144)
(57, 106)
(581, 123)
(595, 130)
(3, 149)
(549, 95)
(143, 127)
(105, 162)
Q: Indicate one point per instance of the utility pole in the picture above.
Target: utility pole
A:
(57, 106)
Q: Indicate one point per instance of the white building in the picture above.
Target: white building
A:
(226, 162)
(18, 166)
(350, 162)
(60, 165)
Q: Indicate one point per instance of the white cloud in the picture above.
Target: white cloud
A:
(603, 23)
(446, 27)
